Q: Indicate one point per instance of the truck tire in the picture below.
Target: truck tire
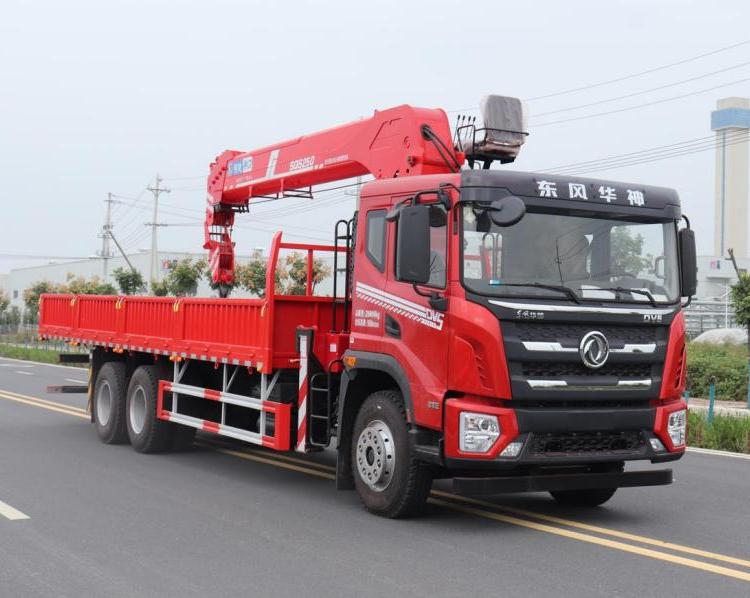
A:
(109, 403)
(583, 498)
(147, 433)
(589, 498)
(182, 437)
(389, 480)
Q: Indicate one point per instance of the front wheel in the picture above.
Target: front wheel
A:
(583, 498)
(389, 480)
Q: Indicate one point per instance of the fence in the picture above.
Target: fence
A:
(708, 315)
(27, 336)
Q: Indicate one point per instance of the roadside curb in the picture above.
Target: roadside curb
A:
(705, 451)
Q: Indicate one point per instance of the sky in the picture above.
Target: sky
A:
(100, 96)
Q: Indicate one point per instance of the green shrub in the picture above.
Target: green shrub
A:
(726, 433)
(32, 354)
(726, 363)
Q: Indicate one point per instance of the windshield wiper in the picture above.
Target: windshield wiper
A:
(551, 287)
(643, 292)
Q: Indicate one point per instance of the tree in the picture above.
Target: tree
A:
(130, 281)
(78, 285)
(182, 280)
(159, 289)
(32, 294)
(4, 302)
(290, 276)
(252, 276)
(740, 296)
(13, 316)
(626, 251)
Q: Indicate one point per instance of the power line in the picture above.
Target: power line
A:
(677, 152)
(642, 92)
(639, 153)
(637, 106)
(620, 79)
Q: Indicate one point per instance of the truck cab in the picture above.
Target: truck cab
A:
(531, 325)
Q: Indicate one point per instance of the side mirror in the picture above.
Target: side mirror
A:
(413, 244)
(507, 211)
(688, 262)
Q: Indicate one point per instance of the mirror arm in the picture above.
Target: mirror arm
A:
(437, 301)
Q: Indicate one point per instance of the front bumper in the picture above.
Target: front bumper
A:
(564, 436)
(556, 482)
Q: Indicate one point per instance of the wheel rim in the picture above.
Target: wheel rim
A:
(104, 403)
(376, 455)
(137, 410)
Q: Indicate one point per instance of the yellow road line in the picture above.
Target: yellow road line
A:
(648, 552)
(599, 530)
(542, 527)
(40, 400)
(269, 461)
(10, 513)
(43, 406)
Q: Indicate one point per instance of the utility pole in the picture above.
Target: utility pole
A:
(106, 232)
(156, 190)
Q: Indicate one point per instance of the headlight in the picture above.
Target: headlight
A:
(676, 427)
(478, 432)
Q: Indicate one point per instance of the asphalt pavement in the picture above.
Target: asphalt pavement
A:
(79, 518)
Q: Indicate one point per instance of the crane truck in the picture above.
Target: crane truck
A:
(511, 331)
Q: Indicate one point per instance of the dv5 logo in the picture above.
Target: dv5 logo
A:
(652, 318)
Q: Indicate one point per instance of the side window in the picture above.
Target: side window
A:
(438, 246)
(375, 238)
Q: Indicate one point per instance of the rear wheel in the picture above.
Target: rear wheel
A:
(389, 480)
(109, 404)
(147, 433)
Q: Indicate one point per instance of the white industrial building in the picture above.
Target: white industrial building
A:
(17, 280)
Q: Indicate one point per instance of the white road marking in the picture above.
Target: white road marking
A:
(76, 381)
(10, 513)
(14, 365)
(35, 363)
(24, 373)
(704, 451)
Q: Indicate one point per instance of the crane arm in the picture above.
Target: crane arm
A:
(400, 141)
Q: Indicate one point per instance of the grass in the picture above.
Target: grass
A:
(32, 354)
(726, 433)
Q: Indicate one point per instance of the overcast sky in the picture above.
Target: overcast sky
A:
(99, 96)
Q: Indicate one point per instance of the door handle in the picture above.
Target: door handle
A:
(392, 327)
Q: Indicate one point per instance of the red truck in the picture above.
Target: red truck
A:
(512, 331)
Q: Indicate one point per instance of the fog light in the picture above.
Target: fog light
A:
(478, 432)
(513, 449)
(656, 444)
(676, 426)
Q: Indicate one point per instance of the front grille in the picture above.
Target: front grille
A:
(566, 369)
(572, 443)
(571, 334)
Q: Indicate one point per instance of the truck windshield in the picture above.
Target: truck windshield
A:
(571, 257)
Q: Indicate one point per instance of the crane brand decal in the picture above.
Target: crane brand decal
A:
(394, 303)
(302, 163)
(241, 166)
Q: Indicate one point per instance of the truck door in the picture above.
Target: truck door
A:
(407, 328)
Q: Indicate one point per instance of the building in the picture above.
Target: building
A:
(16, 281)
(731, 122)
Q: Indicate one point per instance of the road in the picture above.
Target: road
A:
(79, 518)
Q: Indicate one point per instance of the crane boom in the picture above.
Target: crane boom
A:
(400, 141)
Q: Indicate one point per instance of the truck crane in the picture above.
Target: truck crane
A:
(510, 331)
